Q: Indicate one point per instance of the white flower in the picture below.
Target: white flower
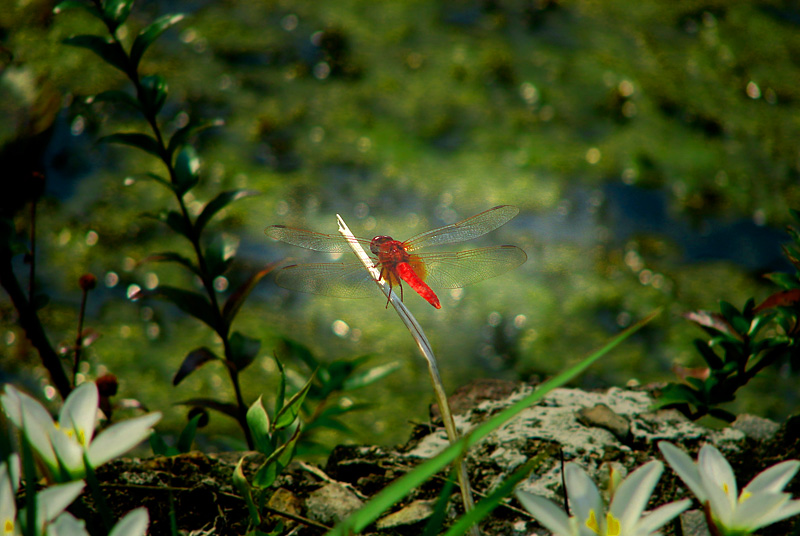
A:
(63, 445)
(50, 503)
(761, 503)
(625, 515)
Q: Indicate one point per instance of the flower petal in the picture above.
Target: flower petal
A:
(34, 420)
(52, 501)
(120, 438)
(786, 510)
(547, 513)
(67, 525)
(719, 482)
(68, 452)
(79, 412)
(661, 516)
(632, 495)
(584, 498)
(8, 505)
(750, 513)
(133, 524)
(773, 479)
(682, 464)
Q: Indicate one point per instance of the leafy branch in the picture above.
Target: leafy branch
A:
(742, 344)
(182, 165)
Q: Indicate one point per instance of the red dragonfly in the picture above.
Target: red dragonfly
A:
(399, 261)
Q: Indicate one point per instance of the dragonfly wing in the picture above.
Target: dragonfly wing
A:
(310, 240)
(468, 229)
(340, 280)
(458, 269)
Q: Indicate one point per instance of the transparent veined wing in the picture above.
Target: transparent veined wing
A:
(473, 227)
(339, 280)
(311, 240)
(458, 269)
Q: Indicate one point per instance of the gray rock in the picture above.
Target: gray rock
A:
(756, 427)
(332, 503)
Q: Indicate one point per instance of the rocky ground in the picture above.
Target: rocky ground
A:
(596, 429)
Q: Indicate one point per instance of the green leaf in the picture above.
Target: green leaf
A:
(493, 500)
(218, 203)
(154, 177)
(220, 253)
(299, 351)
(288, 413)
(77, 4)
(149, 34)
(709, 355)
(738, 322)
(144, 142)
(171, 256)
(783, 280)
(281, 394)
(235, 300)
(193, 361)
(370, 376)
(117, 12)
(187, 434)
(760, 321)
(154, 93)
(435, 522)
(176, 222)
(276, 462)
(187, 169)
(187, 301)
(243, 350)
(181, 136)
(160, 447)
(240, 482)
(115, 96)
(677, 393)
(226, 408)
(106, 48)
(258, 422)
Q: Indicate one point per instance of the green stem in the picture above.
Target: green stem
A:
(97, 494)
(426, 350)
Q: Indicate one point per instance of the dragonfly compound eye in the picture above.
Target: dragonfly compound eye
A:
(377, 242)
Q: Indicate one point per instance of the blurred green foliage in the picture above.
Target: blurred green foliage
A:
(402, 116)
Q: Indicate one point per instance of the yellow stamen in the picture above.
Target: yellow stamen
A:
(8, 526)
(612, 525)
(592, 523)
(744, 496)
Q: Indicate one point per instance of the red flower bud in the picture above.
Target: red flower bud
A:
(87, 281)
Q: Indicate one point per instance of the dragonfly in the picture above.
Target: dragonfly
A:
(401, 262)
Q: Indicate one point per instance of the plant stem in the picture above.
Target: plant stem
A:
(433, 368)
(32, 277)
(79, 337)
(30, 322)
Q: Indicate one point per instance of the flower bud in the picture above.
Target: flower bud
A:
(87, 281)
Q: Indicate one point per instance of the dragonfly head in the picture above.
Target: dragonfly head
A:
(377, 242)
